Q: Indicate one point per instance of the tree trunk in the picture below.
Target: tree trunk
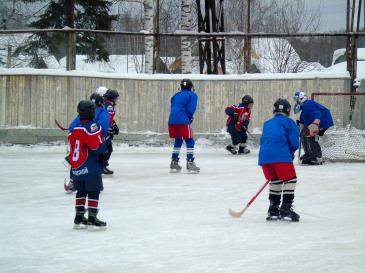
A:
(148, 41)
(185, 41)
(71, 36)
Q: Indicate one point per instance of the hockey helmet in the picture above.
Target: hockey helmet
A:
(86, 110)
(97, 99)
(101, 90)
(282, 106)
(300, 96)
(186, 84)
(246, 100)
(111, 95)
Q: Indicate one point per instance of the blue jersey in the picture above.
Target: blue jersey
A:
(279, 140)
(101, 117)
(86, 143)
(183, 106)
(312, 110)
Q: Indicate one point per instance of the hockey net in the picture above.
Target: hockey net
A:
(345, 141)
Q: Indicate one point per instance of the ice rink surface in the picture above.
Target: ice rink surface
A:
(160, 222)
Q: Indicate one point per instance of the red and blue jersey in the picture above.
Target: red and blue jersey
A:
(243, 117)
(109, 106)
(86, 143)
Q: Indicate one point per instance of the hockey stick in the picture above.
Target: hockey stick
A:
(253, 137)
(239, 213)
(60, 126)
(300, 148)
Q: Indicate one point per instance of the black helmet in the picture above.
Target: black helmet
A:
(282, 106)
(186, 84)
(97, 99)
(111, 95)
(246, 100)
(86, 110)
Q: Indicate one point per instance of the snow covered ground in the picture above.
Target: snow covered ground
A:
(160, 222)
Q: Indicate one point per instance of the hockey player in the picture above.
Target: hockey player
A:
(86, 145)
(314, 119)
(110, 98)
(101, 117)
(279, 141)
(237, 122)
(183, 106)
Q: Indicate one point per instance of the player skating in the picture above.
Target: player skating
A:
(86, 144)
(110, 98)
(279, 141)
(315, 119)
(102, 118)
(237, 123)
(183, 106)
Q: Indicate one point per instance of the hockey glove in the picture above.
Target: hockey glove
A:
(114, 128)
(314, 127)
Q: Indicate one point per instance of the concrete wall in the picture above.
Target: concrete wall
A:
(35, 101)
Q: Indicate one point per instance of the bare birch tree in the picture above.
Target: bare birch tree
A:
(185, 41)
(148, 44)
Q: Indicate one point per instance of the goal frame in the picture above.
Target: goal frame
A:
(337, 94)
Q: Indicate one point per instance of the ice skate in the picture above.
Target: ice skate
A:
(273, 213)
(174, 166)
(80, 221)
(107, 171)
(191, 167)
(69, 186)
(287, 213)
(243, 150)
(231, 149)
(94, 224)
(308, 161)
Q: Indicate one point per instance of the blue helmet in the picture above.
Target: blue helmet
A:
(300, 96)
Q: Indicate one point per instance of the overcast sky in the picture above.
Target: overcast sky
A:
(333, 13)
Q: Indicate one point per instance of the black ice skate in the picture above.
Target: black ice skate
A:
(94, 224)
(80, 221)
(191, 167)
(310, 160)
(107, 171)
(231, 149)
(243, 150)
(273, 213)
(287, 213)
(174, 166)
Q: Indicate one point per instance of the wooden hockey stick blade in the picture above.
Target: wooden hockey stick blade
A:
(239, 214)
(236, 214)
(60, 126)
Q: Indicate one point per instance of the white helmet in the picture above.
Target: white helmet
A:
(300, 96)
(101, 90)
